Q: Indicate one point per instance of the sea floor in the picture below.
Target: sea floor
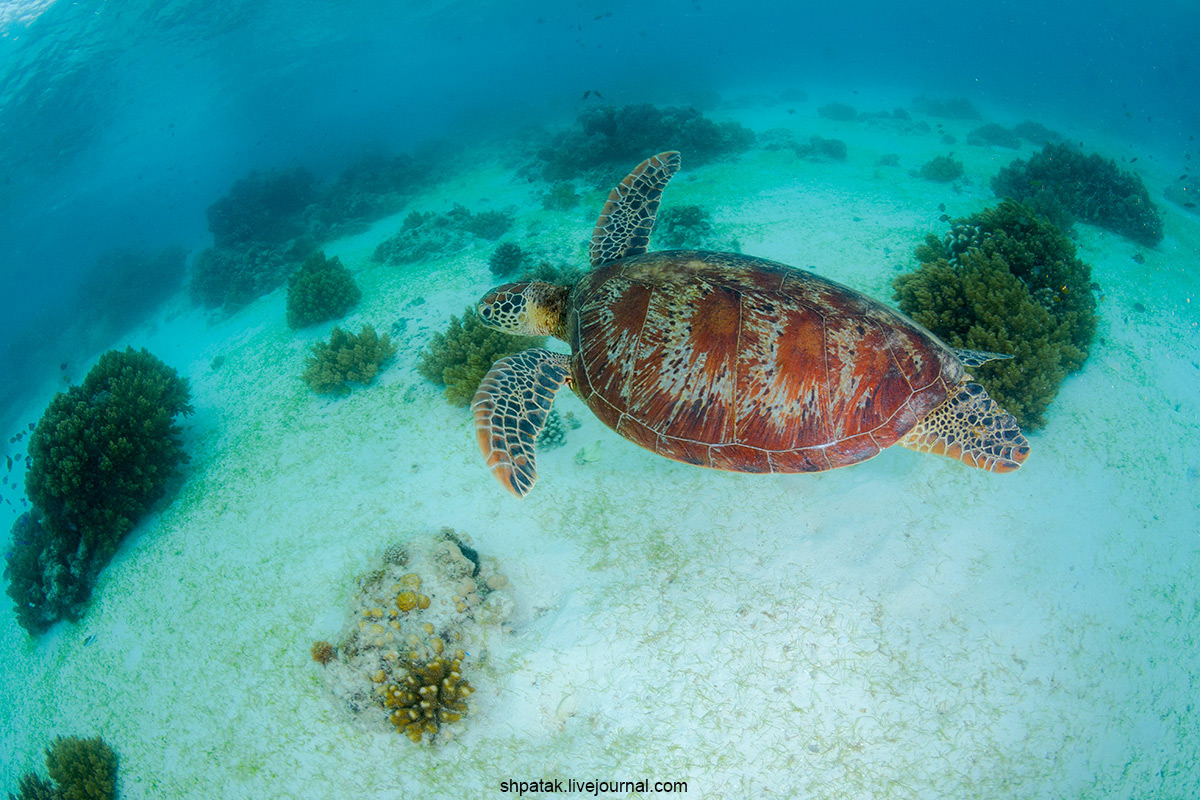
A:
(906, 628)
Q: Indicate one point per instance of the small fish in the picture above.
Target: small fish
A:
(944, 218)
(1183, 177)
(586, 94)
(1139, 258)
(91, 637)
(9, 463)
(598, 95)
(1138, 307)
(1133, 159)
(62, 367)
(1189, 205)
(941, 206)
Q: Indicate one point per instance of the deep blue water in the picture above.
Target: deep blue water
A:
(121, 122)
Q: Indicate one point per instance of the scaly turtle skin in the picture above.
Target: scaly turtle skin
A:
(728, 361)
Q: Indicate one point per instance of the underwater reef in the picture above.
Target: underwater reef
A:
(102, 454)
(80, 769)
(369, 189)
(345, 359)
(1036, 133)
(607, 139)
(838, 112)
(814, 148)
(259, 237)
(262, 208)
(269, 222)
(1065, 185)
(427, 235)
(321, 290)
(992, 134)
(1007, 281)
(459, 357)
(401, 660)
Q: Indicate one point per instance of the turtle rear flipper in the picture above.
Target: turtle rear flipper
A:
(971, 427)
(510, 409)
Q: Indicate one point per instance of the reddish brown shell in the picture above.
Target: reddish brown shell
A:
(749, 365)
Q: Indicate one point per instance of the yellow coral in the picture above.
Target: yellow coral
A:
(411, 581)
(406, 601)
(432, 694)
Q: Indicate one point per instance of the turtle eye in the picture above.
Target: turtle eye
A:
(484, 310)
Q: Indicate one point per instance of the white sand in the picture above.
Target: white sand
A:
(903, 628)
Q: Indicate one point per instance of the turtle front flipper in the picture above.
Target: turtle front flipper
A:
(624, 226)
(971, 427)
(510, 409)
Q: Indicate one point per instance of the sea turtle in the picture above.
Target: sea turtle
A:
(727, 361)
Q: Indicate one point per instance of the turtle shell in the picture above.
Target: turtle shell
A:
(744, 364)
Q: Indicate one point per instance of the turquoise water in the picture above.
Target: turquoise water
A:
(902, 628)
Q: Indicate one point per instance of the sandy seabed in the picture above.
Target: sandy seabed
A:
(906, 628)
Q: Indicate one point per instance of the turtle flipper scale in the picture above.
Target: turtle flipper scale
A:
(623, 228)
(510, 410)
(972, 428)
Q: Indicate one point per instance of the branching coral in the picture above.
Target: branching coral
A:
(430, 695)
(232, 277)
(264, 207)
(683, 226)
(47, 577)
(942, 169)
(507, 259)
(1007, 282)
(369, 189)
(560, 197)
(32, 787)
(839, 112)
(321, 290)
(102, 454)
(460, 357)
(83, 769)
(1086, 187)
(347, 358)
(614, 137)
(429, 235)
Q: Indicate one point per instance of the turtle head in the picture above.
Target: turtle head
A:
(529, 308)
